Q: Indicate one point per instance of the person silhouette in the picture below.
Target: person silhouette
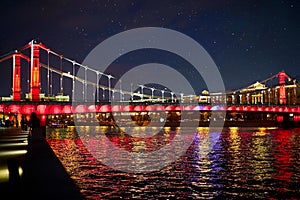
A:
(34, 123)
(23, 123)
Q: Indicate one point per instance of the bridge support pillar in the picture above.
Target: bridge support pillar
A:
(282, 97)
(35, 72)
(16, 90)
(288, 121)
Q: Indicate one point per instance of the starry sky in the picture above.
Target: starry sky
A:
(248, 40)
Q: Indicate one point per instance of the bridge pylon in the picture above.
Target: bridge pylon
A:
(282, 96)
(35, 71)
(16, 90)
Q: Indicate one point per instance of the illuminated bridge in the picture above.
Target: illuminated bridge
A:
(44, 81)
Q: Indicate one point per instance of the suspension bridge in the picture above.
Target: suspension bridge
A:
(45, 81)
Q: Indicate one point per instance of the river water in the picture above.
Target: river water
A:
(245, 163)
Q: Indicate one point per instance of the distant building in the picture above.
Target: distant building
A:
(204, 97)
(58, 97)
(255, 94)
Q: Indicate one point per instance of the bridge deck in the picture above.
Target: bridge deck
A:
(68, 108)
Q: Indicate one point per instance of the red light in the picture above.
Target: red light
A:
(279, 119)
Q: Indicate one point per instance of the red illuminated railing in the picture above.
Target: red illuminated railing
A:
(68, 108)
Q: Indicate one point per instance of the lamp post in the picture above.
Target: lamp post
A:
(73, 81)
(97, 85)
(152, 94)
(113, 95)
(181, 96)
(131, 92)
(120, 90)
(109, 85)
(103, 94)
(85, 84)
(142, 92)
(48, 73)
(61, 76)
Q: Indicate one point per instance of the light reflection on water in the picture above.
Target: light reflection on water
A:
(242, 163)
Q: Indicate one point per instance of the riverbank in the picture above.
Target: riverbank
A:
(13, 147)
(43, 176)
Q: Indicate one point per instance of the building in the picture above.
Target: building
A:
(255, 94)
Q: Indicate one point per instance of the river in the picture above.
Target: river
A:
(261, 163)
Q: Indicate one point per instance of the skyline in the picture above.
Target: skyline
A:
(248, 41)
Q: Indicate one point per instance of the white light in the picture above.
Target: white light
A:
(12, 153)
(67, 75)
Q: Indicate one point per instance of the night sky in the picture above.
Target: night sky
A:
(249, 40)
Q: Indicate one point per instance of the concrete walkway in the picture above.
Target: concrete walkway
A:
(44, 177)
(13, 148)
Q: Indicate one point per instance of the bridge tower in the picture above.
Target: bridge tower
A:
(282, 96)
(16, 90)
(35, 71)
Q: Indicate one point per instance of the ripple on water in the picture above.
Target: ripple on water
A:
(242, 163)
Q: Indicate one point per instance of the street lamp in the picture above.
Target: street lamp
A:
(109, 85)
(113, 95)
(85, 84)
(162, 96)
(48, 73)
(152, 92)
(83, 90)
(181, 96)
(97, 85)
(73, 81)
(120, 90)
(103, 94)
(131, 92)
(142, 92)
(61, 76)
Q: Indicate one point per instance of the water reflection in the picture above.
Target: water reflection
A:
(283, 165)
(205, 174)
(237, 163)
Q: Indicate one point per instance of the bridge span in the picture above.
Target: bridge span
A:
(64, 113)
(42, 108)
(45, 82)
